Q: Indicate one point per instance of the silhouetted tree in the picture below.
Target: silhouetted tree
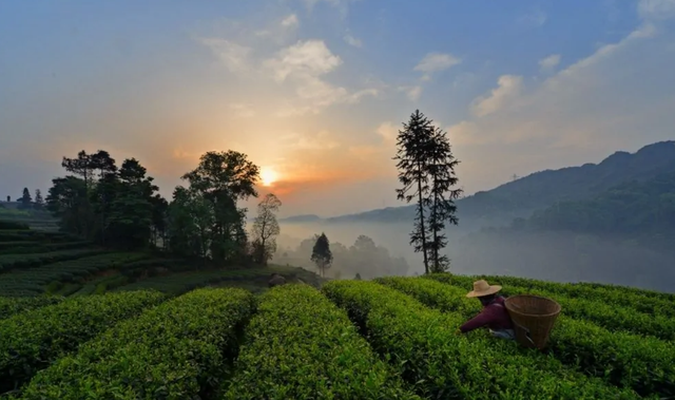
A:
(357, 277)
(321, 254)
(265, 229)
(223, 178)
(414, 145)
(25, 201)
(39, 201)
(9, 199)
(441, 168)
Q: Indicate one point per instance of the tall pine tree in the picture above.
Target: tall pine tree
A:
(413, 146)
(426, 172)
(441, 167)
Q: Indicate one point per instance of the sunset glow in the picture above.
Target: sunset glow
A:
(268, 176)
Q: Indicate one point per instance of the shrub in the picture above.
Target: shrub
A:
(178, 350)
(32, 340)
(300, 346)
(644, 364)
(12, 306)
(423, 343)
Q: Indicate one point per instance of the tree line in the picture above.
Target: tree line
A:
(121, 207)
(364, 258)
(26, 201)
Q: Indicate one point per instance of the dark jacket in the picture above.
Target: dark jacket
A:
(494, 316)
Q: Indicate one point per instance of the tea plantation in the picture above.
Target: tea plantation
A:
(80, 322)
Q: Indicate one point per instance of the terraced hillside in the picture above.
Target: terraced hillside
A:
(392, 338)
(36, 263)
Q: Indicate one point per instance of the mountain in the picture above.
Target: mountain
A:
(640, 212)
(521, 197)
(622, 236)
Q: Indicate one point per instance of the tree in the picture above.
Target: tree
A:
(441, 168)
(265, 229)
(223, 178)
(25, 200)
(357, 277)
(66, 200)
(414, 144)
(39, 201)
(321, 254)
(191, 218)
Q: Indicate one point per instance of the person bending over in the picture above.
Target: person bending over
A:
(494, 315)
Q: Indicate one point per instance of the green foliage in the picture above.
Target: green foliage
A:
(113, 207)
(321, 254)
(642, 301)
(181, 349)
(300, 346)
(182, 282)
(10, 306)
(32, 281)
(32, 340)
(219, 181)
(644, 364)
(423, 344)
(19, 261)
(644, 211)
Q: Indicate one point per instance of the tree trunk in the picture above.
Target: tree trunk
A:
(421, 212)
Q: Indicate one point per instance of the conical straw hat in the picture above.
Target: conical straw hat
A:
(482, 288)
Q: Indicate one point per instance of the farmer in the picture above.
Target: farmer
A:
(494, 315)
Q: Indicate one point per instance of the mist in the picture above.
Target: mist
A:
(553, 256)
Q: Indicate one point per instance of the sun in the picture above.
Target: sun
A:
(268, 176)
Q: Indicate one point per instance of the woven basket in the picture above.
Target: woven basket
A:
(533, 317)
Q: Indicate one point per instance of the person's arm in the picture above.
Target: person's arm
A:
(480, 320)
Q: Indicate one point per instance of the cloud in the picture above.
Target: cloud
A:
(388, 131)
(233, 55)
(322, 140)
(508, 87)
(305, 63)
(413, 92)
(619, 94)
(352, 41)
(656, 9)
(550, 62)
(290, 22)
(434, 62)
(536, 18)
(308, 58)
(299, 69)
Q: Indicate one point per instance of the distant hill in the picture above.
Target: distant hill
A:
(297, 219)
(643, 212)
(521, 197)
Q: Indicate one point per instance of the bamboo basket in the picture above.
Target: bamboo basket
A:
(533, 318)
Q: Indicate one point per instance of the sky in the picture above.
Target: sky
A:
(314, 91)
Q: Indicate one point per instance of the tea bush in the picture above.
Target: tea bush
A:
(181, 349)
(301, 346)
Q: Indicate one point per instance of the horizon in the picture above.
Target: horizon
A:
(313, 91)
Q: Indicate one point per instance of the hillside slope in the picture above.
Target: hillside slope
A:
(541, 189)
(623, 236)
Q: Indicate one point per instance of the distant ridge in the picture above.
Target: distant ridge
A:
(538, 190)
(301, 218)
